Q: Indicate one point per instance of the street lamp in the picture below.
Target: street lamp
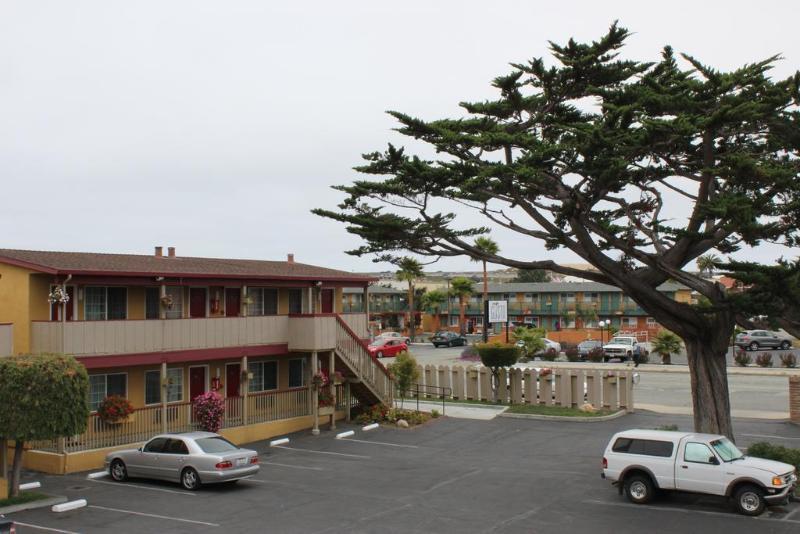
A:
(602, 325)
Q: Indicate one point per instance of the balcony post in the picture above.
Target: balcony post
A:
(331, 374)
(314, 396)
(164, 389)
(244, 387)
(162, 292)
(347, 401)
(243, 311)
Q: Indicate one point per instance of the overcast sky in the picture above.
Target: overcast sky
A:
(214, 126)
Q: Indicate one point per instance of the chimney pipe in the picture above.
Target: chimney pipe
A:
(159, 252)
(171, 252)
(290, 258)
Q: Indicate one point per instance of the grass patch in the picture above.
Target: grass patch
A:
(22, 498)
(536, 409)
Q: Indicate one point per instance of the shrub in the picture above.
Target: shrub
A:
(470, 354)
(550, 355)
(497, 355)
(764, 359)
(209, 409)
(596, 355)
(405, 371)
(572, 354)
(435, 413)
(779, 453)
(742, 358)
(114, 408)
(789, 360)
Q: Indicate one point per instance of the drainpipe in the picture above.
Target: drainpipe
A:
(64, 314)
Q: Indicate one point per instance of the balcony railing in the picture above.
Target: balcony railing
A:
(95, 338)
(6, 339)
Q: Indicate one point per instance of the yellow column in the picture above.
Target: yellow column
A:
(164, 386)
(314, 395)
(331, 373)
(244, 387)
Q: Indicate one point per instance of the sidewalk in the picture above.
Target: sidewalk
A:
(459, 411)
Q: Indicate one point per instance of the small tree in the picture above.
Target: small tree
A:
(462, 288)
(41, 397)
(707, 264)
(666, 344)
(433, 300)
(405, 372)
(495, 356)
(532, 340)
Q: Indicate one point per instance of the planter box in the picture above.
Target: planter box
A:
(130, 419)
(326, 410)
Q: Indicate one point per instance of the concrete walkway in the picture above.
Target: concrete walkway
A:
(457, 410)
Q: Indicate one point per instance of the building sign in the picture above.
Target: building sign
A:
(498, 311)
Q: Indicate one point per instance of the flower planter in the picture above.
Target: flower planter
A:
(130, 419)
(326, 410)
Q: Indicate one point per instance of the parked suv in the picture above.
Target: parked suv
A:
(622, 347)
(758, 339)
(641, 462)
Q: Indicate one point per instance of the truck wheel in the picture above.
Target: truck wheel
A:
(639, 489)
(749, 500)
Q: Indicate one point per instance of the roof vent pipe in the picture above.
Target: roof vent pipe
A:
(171, 252)
(159, 252)
(290, 258)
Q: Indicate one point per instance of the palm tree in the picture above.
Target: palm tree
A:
(489, 247)
(706, 263)
(666, 344)
(433, 300)
(462, 288)
(410, 270)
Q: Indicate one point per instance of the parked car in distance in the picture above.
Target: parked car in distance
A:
(586, 346)
(191, 458)
(387, 347)
(761, 339)
(622, 347)
(448, 339)
(548, 344)
(395, 336)
(642, 462)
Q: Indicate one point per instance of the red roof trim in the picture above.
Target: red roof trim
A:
(181, 356)
(28, 265)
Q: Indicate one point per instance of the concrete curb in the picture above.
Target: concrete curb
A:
(616, 415)
(658, 368)
(43, 503)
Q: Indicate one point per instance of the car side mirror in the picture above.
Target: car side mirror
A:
(713, 460)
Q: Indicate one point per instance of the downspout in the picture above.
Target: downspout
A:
(64, 313)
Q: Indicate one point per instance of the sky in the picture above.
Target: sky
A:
(216, 126)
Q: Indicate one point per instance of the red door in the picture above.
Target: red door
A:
(55, 308)
(233, 301)
(197, 302)
(327, 301)
(197, 381)
(233, 373)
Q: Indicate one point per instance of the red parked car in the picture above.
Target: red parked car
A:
(387, 347)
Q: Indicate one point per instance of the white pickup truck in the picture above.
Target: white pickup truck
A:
(642, 462)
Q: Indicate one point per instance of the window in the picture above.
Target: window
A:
(155, 445)
(454, 320)
(102, 386)
(478, 320)
(152, 386)
(591, 297)
(629, 322)
(647, 447)
(568, 297)
(651, 323)
(176, 311)
(534, 321)
(698, 453)
(590, 323)
(297, 375)
(215, 445)
(265, 376)
(295, 301)
(105, 303)
(152, 303)
(175, 446)
(263, 301)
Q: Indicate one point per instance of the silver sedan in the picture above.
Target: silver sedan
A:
(191, 458)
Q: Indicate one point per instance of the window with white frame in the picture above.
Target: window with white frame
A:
(263, 301)
(297, 373)
(265, 376)
(478, 320)
(590, 323)
(568, 323)
(568, 297)
(652, 323)
(105, 385)
(152, 386)
(534, 321)
(629, 322)
(454, 320)
(591, 297)
(105, 303)
(176, 310)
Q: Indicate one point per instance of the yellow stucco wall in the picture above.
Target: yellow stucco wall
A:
(136, 304)
(15, 303)
(683, 295)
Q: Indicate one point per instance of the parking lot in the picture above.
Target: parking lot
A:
(451, 475)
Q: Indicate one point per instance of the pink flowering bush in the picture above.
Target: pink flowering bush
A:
(209, 410)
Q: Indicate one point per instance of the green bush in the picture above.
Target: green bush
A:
(498, 354)
(435, 413)
(779, 453)
(405, 371)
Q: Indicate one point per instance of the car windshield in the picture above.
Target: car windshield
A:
(379, 342)
(622, 341)
(726, 450)
(215, 445)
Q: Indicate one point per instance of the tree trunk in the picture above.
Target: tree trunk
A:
(666, 358)
(462, 316)
(709, 377)
(16, 469)
(412, 327)
(485, 329)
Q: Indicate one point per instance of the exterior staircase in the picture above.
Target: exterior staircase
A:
(371, 383)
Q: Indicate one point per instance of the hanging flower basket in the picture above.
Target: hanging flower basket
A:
(58, 295)
(166, 301)
(115, 409)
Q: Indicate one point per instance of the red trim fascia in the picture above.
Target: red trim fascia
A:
(181, 356)
(28, 265)
(305, 277)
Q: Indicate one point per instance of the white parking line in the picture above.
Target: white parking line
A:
(451, 480)
(730, 515)
(48, 529)
(326, 452)
(294, 466)
(382, 443)
(137, 486)
(121, 511)
(768, 436)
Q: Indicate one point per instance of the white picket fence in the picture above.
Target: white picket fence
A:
(599, 387)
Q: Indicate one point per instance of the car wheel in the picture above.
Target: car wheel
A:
(449, 344)
(785, 345)
(639, 489)
(118, 471)
(190, 480)
(749, 500)
(753, 346)
(379, 355)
